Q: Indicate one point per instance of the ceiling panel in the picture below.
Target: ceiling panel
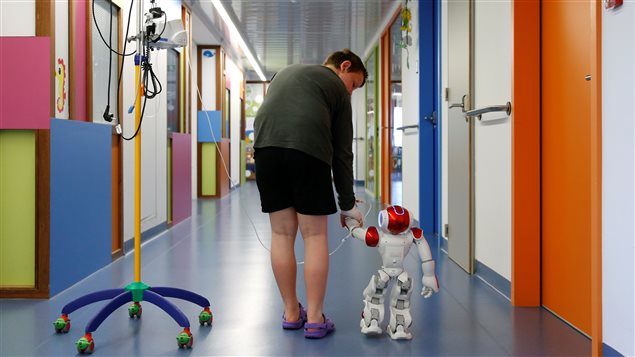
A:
(282, 32)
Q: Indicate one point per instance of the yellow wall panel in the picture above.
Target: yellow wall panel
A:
(17, 208)
(208, 169)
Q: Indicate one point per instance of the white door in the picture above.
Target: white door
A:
(492, 136)
(459, 231)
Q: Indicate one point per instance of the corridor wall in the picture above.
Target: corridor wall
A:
(24, 119)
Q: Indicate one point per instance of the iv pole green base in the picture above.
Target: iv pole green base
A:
(137, 288)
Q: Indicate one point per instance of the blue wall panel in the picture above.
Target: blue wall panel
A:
(81, 201)
(204, 134)
(428, 131)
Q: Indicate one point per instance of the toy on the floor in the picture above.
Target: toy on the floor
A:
(393, 240)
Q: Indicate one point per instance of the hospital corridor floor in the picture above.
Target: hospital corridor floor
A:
(217, 253)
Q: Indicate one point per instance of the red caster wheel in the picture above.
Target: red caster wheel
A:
(62, 324)
(135, 310)
(185, 339)
(85, 344)
(206, 317)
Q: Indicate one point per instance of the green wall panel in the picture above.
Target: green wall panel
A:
(17, 208)
(208, 169)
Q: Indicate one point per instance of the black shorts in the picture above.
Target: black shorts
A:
(290, 178)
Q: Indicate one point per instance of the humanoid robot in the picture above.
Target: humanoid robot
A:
(393, 240)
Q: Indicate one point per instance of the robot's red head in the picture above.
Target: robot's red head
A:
(395, 219)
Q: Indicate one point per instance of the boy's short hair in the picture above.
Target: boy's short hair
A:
(336, 58)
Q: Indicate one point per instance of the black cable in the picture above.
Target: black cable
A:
(148, 74)
(102, 37)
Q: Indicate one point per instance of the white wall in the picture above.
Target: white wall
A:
(492, 135)
(61, 53)
(618, 178)
(410, 110)
(359, 127)
(236, 78)
(17, 18)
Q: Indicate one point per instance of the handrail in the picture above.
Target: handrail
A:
(408, 127)
(493, 108)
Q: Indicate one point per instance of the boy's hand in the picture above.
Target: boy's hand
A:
(353, 213)
(351, 223)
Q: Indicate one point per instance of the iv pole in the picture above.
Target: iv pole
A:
(136, 291)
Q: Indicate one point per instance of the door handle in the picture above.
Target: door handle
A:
(408, 127)
(460, 105)
(507, 108)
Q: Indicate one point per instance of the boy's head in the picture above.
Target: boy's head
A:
(347, 64)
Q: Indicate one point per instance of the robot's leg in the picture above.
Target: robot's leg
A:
(373, 313)
(400, 318)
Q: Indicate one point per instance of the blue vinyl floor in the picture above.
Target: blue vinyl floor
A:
(216, 253)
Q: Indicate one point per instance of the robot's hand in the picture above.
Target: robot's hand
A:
(430, 285)
(351, 223)
(353, 213)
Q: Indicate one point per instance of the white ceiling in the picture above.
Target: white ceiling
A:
(281, 32)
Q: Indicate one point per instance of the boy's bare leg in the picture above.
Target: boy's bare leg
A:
(284, 227)
(316, 263)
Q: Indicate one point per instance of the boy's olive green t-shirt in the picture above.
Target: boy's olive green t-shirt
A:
(308, 108)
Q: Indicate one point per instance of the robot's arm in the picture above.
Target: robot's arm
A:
(429, 280)
(369, 235)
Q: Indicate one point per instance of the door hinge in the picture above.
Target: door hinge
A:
(446, 94)
(446, 230)
(432, 118)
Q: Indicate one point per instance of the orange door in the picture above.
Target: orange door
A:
(566, 161)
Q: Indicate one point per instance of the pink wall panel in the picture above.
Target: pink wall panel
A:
(181, 177)
(25, 78)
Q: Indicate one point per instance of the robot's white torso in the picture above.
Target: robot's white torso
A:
(393, 250)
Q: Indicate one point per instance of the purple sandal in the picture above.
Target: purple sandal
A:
(295, 324)
(321, 329)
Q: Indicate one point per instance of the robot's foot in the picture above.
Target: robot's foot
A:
(372, 329)
(399, 333)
